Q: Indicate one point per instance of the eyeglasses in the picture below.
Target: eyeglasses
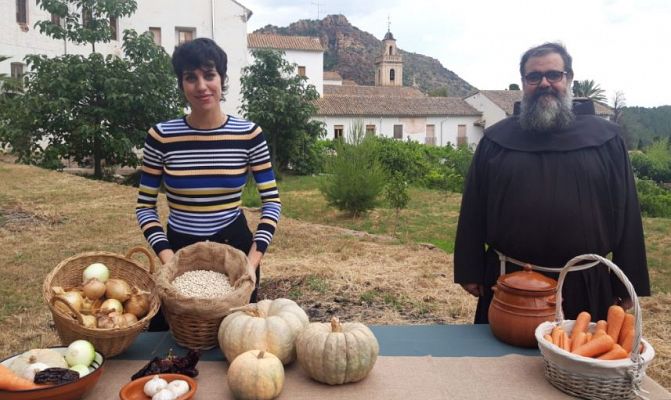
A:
(534, 78)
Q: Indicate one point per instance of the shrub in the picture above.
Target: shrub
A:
(397, 195)
(655, 201)
(354, 177)
(654, 163)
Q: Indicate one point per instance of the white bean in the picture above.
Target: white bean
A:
(202, 283)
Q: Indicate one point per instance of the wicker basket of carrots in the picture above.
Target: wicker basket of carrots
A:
(603, 360)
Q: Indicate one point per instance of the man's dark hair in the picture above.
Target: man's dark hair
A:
(199, 53)
(547, 48)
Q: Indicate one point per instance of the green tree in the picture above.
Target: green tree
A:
(91, 108)
(282, 103)
(397, 195)
(513, 86)
(440, 92)
(588, 88)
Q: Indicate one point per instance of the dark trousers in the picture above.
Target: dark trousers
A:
(237, 235)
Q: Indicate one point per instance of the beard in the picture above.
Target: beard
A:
(546, 110)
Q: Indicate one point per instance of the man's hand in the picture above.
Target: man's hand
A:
(475, 289)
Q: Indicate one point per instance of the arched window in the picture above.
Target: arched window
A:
(392, 75)
(389, 50)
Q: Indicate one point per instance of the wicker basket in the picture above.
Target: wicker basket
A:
(194, 322)
(68, 274)
(590, 378)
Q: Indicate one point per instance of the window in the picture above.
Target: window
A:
(21, 11)
(392, 75)
(17, 72)
(390, 50)
(338, 131)
(461, 135)
(430, 135)
(301, 70)
(185, 35)
(87, 18)
(156, 33)
(114, 26)
(55, 19)
(398, 131)
(370, 130)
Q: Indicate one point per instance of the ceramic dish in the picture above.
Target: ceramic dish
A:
(134, 390)
(68, 391)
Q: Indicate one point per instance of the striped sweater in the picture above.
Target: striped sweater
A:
(204, 173)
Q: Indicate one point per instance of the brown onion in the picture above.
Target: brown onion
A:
(137, 304)
(105, 322)
(117, 289)
(94, 289)
(74, 298)
(111, 305)
(119, 320)
(89, 321)
(130, 318)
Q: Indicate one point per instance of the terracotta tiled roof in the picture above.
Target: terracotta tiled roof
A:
(603, 110)
(281, 42)
(394, 106)
(382, 91)
(505, 99)
(332, 76)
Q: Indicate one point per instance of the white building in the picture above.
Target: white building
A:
(305, 51)
(391, 110)
(171, 21)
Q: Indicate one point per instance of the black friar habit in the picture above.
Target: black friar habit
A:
(544, 198)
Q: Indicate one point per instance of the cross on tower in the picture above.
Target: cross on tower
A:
(388, 24)
(318, 4)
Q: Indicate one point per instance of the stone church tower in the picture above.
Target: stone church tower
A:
(389, 65)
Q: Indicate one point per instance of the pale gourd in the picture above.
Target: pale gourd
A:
(256, 375)
(50, 357)
(270, 325)
(337, 353)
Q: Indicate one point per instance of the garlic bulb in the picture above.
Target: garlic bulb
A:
(164, 394)
(178, 387)
(32, 369)
(154, 385)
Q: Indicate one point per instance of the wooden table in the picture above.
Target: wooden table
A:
(416, 361)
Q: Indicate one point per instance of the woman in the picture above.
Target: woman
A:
(203, 159)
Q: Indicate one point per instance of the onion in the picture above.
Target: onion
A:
(137, 304)
(83, 370)
(74, 298)
(105, 322)
(110, 305)
(89, 321)
(96, 270)
(80, 352)
(118, 319)
(94, 289)
(117, 289)
(130, 318)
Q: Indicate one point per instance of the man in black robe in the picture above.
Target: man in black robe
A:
(545, 185)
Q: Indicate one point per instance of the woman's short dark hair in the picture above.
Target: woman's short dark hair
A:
(198, 53)
(547, 48)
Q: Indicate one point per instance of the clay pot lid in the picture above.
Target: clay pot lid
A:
(528, 280)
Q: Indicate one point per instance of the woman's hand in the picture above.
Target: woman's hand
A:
(166, 255)
(254, 259)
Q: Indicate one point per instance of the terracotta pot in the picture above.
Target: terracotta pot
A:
(522, 300)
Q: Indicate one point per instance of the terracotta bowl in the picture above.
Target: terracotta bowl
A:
(68, 391)
(134, 390)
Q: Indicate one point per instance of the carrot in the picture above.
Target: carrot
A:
(627, 325)
(11, 381)
(596, 347)
(556, 334)
(579, 339)
(599, 332)
(548, 338)
(628, 342)
(565, 341)
(581, 323)
(615, 321)
(616, 353)
(601, 324)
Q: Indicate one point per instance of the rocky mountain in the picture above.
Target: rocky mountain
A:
(352, 52)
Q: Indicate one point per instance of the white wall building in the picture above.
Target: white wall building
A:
(305, 51)
(171, 22)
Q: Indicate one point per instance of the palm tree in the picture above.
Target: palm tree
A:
(590, 89)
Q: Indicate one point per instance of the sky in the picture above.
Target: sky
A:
(623, 45)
